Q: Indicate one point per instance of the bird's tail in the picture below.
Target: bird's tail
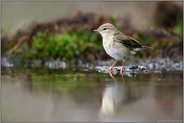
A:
(146, 48)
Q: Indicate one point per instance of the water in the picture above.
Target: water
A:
(73, 95)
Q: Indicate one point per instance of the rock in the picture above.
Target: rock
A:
(164, 64)
(149, 66)
(6, 63)
(131, 70)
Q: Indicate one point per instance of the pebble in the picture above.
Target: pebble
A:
(141, 67)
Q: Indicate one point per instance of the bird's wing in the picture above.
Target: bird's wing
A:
(127, 41)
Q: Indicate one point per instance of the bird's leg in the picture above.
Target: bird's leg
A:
(110, 68)
(122, 69)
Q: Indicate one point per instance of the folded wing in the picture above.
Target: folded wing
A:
(127, 41)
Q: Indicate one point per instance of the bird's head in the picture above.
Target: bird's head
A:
(107, 29)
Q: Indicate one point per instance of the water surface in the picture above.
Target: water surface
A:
(72, 95)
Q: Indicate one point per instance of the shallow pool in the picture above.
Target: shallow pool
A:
(82, 95)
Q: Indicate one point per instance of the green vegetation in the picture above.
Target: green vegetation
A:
(66, 46)
(178, 28)
(86, 45)
(72, 42)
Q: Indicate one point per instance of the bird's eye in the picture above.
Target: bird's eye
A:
(104, 28)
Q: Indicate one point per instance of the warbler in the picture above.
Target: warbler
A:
(117, 44)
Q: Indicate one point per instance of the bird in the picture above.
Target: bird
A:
(118, 45)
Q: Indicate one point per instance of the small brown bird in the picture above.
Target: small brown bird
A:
(118, 45)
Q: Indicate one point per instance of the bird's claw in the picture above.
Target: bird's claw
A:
(110, 69)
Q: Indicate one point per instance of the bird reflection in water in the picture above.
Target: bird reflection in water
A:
(112, 97)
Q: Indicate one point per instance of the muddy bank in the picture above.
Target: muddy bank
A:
(130, 69)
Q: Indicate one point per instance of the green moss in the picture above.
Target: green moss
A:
(67, 46)
(178, 28)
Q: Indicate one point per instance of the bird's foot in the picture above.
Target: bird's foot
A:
(110, 69)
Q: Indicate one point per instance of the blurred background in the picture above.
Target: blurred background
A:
(41, 35)
(64, 30)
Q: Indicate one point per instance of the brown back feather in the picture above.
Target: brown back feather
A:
(127, 41)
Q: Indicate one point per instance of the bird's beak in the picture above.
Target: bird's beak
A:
(96, 30)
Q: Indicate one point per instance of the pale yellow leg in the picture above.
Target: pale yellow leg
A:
(122, 69)
(110, 68)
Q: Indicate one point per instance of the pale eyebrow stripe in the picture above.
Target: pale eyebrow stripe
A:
(106, 27)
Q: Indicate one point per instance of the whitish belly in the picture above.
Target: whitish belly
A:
(115, 50)
(118, 54)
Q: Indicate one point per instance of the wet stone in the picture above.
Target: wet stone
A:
(128, 70)
(140, 67)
